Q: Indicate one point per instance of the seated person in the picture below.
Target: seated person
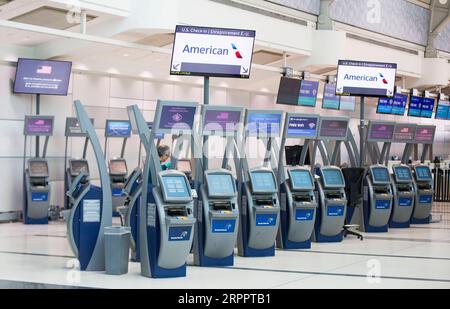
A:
(164, 157)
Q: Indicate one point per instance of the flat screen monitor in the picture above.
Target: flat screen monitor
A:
(216, 52)
(402, 174)
(184, 166)
(381, 131)
(222, 121)
(293, 155)
(38, 168)
(415, 106)
(427, 108)
(302, 126)
(78, 166)
(47, 77)
(423, 173)
(425, 134)
(39, 125)
(404, 133)
(380, 175)
(174, 118)
(118, 167)
(330, 99)
(348, 104)
(289, 91)
(158, 136)
(220, 185)
(73, 128)
(301, 180)
(333, 128)
(363, 78)
(118, 128)
(176, 188)
(333, 178)
(263, 182)
(443, 110)
(393, 106)
(264, 123)
(308, 93)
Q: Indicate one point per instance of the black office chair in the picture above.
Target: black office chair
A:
(354, 178)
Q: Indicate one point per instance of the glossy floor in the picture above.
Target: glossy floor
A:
(39, 256)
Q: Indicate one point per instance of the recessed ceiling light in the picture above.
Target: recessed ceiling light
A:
(126, 55)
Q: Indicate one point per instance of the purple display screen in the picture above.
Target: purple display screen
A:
(42, 77)
(38, 126)
(177, 117)
(404, 133)
(425, 134)
(223, 121)
(333, 129)
(383, 132)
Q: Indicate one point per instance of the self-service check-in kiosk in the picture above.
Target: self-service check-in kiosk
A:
(297, 197)
(424, 189)
(260, 206)
(404, 197)
(133, 190)
(166, 218)
(117, 166)
(217, 209)
(332, 205)
(36, 186)
(92, 206)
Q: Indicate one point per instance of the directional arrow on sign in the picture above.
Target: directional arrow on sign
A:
(245, 70)
(176, 66)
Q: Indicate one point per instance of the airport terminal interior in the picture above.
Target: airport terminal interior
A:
(225, 144)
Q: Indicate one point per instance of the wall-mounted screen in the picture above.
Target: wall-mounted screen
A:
(443, 110)
(308, 93)
(39, 125)
(348, 104)
(47, 77)
(218, 52)
(264, 123)
(381, 131)
(118, 128)
(330, 99)
(425, 134)
(393, 106)
(415, 106)
(299, 126)
(427, 107)
(221, 120)
(289, 91)
(362, 78)
(404, 133)
(333, 128)
(176, 118)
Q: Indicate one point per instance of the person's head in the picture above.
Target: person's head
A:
(163, 153)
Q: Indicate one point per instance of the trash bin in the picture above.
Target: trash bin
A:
(117, 250)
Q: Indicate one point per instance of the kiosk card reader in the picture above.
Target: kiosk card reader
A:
(424, 188)
(332, 205)
(298, 213)
(378, 200)
(218, 220)
(404, 197)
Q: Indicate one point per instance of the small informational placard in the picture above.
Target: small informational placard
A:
(176, 118)
(363, 78)
(393, 106)
(73, 128)
(443, 110)
(415, 106)
(38, 125)
(91, 211)
(219, 52)
(330, 99)
(264, 123)
(404, 133)
(381, 131)
(223, 121)
(118, 128)
(223, 226)
(180, 233)
(427, 107)
(333, 128)
(302, 126)
(425, 134)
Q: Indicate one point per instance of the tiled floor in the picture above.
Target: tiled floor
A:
(39, 256)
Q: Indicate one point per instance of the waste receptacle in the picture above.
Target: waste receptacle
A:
(117, 250)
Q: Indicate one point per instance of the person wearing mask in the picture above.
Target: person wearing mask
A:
(164, 157)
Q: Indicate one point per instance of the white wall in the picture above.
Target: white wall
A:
(107, 97)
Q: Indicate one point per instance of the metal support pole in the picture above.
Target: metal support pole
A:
(362, 150)
(205, 102)
(38, 112)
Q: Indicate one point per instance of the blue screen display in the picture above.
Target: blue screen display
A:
(443, 110)
(380, 174)
(423, 173)
(264, 124)
(176, 187)
(118, 129)
(308, 93)
(220, 185)
(301, 180)
(385, 106)
(415, 106)
(427, 107)
(333, 177)
(348, 104)
(303, 127)
(403, 173)
(330, 99)
(263, 182)
(399, 104)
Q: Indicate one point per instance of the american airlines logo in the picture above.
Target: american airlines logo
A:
(215, 51)
(366, 78)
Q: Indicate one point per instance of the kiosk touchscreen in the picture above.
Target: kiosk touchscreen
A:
(220, 220)
(404, 197)
(332, 210)
(424, 188)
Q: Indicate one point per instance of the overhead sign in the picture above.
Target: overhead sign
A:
(361, 78)
(218, 52)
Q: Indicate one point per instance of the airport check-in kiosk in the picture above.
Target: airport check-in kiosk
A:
(297, 197)
(217, 209)
(404, 197)
(166, 218)
(117, 166)
(424, 188)
(92, 206)
(260, 206)
(36, 186)
(332, 211)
